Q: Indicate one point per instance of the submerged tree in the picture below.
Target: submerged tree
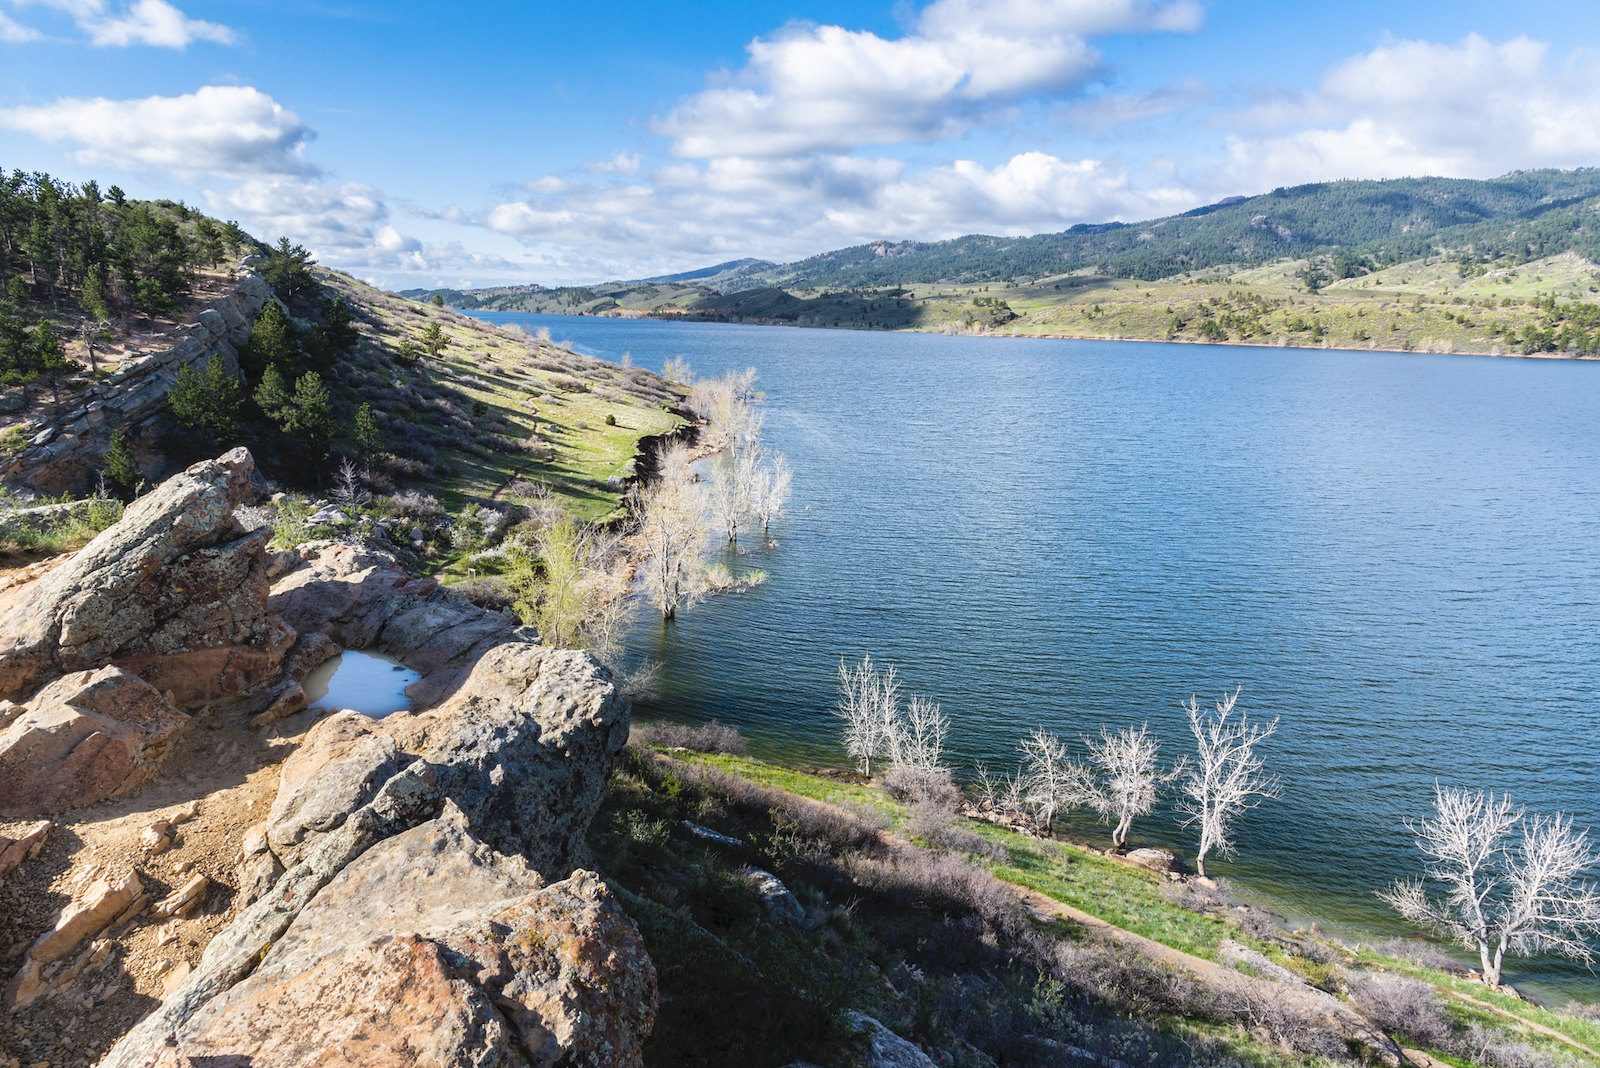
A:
(672, 534)
(1226, 779)
(1505, 882)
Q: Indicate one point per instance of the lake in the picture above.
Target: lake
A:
(1396, 554)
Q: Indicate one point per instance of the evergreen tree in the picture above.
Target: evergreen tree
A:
(272, 395)
(369, 437)
(288, 271)
(208, 401)
(122, 473)
(339, 322)
(309, 417)
(272, 342)
(433, 339)
(48, 359)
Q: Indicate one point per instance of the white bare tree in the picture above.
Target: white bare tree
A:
(672, 538)
(731, 490)
(676, 370)
(674, 463)
(1226, 779)
(771, 490)
(869, 705)
(1051, 780)
(1127, 777)
(1508, 882)
(919, 739)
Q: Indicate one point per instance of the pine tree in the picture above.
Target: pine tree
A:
(433, 339)
(208, 401)
(309, 417)
(122, 473)
(272, 395)
(272, 341)
(369, 437)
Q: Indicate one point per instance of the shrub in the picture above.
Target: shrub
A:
(926, 785)
(1405, 1007)
(712, 737)
(486, 592)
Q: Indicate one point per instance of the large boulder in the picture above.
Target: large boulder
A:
(176, 593)
(429, 948)
(339, 767)
(524, 747)
(85, 737)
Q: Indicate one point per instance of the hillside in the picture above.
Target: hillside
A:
(137, 337)
(1499, 266)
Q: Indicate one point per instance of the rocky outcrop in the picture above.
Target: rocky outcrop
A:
(361, 598)
(412, 893)
(86, 736)
(175, 593)
(432, 948)
(20, 846)
(66, 456)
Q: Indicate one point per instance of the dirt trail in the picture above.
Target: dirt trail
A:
(1523, 1021)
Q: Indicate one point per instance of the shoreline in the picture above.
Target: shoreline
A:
(1559, 356)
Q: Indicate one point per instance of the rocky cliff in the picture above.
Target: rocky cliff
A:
(395, 891)
(64, 455)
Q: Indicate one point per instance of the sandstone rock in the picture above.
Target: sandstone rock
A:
(1156, 859)
(175, 593)
(428, 948)
(339, 767)
(309, 652)
(83, 738)
(27, 843)
(156, 838)
(258, 868)
(885, 1049)
(776, 899)
(524, 747)
(105, 900)
(183, 899)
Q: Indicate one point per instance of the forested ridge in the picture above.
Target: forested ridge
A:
(1518, 217)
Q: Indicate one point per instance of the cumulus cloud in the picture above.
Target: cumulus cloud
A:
(144, 22)
(1119, 109)
(1473, 109)
(232, 131)
(814, 88)
(790, 208)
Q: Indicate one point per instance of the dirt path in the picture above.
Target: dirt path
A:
(1531, 1025)
(1220, 977)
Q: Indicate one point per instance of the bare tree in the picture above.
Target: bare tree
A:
(676, 370)
(869, 705)
(672, 542)
(1051, 780)
(1226, 779)
(1500, 895)
(919, 739)
(1128, 777)
(347, 487)
(674, 463)
(735, 480)
(771, 491)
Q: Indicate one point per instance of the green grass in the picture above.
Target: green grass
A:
(1122, 895)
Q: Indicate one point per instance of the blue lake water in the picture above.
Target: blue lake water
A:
(1397, 554)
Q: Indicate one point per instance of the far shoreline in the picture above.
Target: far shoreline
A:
(1551, 356)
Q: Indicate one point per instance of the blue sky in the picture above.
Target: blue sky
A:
(488, 143)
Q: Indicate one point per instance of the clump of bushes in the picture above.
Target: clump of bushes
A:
(712, 737)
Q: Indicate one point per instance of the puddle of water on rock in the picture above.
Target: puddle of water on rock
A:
(370, 683)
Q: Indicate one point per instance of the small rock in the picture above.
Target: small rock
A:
(885, 1049)
(708, 834)
(157, 837)
(775, 897)
(183, 898)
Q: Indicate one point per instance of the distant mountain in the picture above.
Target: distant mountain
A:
(1521, 216)
(709, 274)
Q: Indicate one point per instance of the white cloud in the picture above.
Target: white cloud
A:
(1474, 109)
(13, 33)
(828, 89)
(233, 131)
(624, 163)
(145, 22)
(1119, 109)
(791, 208)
